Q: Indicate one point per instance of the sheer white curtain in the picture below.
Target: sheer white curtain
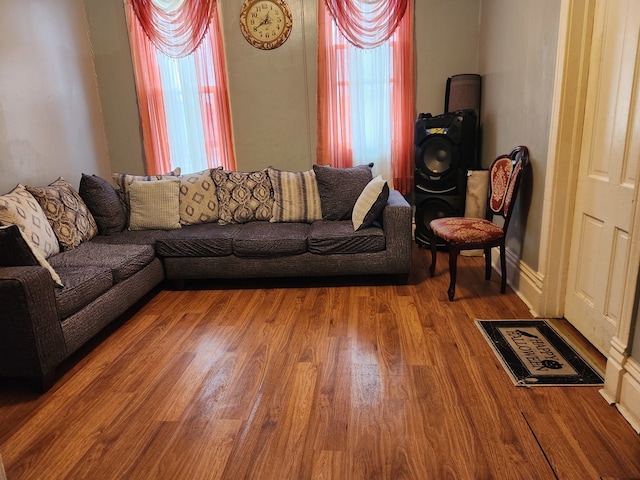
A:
(369, 83)
(183, 113)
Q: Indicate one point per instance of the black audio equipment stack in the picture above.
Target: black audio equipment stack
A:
(445, 149)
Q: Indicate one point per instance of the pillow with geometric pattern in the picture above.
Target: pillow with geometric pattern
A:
(18, 207)
(15, 251)
(66, 212)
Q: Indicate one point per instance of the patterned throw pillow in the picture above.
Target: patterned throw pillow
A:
(155, 205)
(198, 199)
(18, 207)
(15, 251)
(295, 196)
(124, 180)
(69, 217)
(104, 203)
(340, 188)
(370, 203)
(243, 197)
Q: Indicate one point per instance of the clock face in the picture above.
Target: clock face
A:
(266, 24)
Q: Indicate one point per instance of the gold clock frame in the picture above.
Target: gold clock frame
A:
(265, 38)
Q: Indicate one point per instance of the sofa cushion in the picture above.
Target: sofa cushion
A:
(122, 260)
(198, 199)
(370, 203)
(243, 196)
(133, 237)
(104, 203)
(154, 205)
(82, 285)
(19, 207)
(328, 237)
(263, 239)
(67, 213)
(15, 251)
(295, 196)
(340, 188)
(206, 240)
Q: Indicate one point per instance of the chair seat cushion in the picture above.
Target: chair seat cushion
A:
(82, 285)
(463, 230)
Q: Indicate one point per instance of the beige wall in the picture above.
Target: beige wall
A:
(517, 58)
(273, 93)
(50, 121)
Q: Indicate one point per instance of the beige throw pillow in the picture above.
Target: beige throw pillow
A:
(243, 196)
(154, 205)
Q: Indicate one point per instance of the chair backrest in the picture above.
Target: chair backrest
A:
(505, 175)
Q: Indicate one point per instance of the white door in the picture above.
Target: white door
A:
(606, 175)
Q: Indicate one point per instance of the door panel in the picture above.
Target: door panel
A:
(606, 176)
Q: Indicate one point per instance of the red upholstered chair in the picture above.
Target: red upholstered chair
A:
(505, 174)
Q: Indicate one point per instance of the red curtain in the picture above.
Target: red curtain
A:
(367, 24)
(175, 27)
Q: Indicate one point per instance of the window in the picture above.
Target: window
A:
(366, 96)
(181, 80)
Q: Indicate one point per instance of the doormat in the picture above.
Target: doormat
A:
(534, 354)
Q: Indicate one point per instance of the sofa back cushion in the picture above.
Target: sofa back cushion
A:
(104, 203)
(340, 188)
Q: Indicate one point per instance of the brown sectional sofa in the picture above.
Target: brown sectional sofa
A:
(43, 324)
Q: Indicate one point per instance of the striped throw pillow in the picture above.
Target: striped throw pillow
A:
(296, 197)
(370, 203)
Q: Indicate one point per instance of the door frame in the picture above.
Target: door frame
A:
(565, 141)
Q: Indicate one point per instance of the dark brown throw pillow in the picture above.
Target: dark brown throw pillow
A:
(340, 188)
(104, 203)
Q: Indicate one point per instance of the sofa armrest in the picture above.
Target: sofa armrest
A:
(397, 224)
(31, 339)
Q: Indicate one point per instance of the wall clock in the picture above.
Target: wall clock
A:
(266, 24)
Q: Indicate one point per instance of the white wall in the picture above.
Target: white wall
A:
(50, 121)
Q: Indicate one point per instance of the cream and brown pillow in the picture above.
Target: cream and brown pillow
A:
(295, 196)
(155, 205)
(15, 251)
(243, 196)
(66, 212)
(370, 203)
(198, 199)
(19, 207)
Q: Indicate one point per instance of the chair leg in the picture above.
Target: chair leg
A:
(434, 253)
(487, 264)
(453, 269)
(503, 269)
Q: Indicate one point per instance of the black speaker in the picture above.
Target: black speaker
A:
(430, 206)
(444, 145)
(463, 91)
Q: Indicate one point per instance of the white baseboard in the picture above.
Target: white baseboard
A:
(629, 402)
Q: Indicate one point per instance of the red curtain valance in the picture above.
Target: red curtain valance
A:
(176, 27)
(367, 23)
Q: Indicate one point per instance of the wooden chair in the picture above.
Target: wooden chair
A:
(505, 174)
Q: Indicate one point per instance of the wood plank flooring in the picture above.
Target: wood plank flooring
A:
(301, 379)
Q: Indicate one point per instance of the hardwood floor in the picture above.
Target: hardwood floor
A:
(298, 379)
